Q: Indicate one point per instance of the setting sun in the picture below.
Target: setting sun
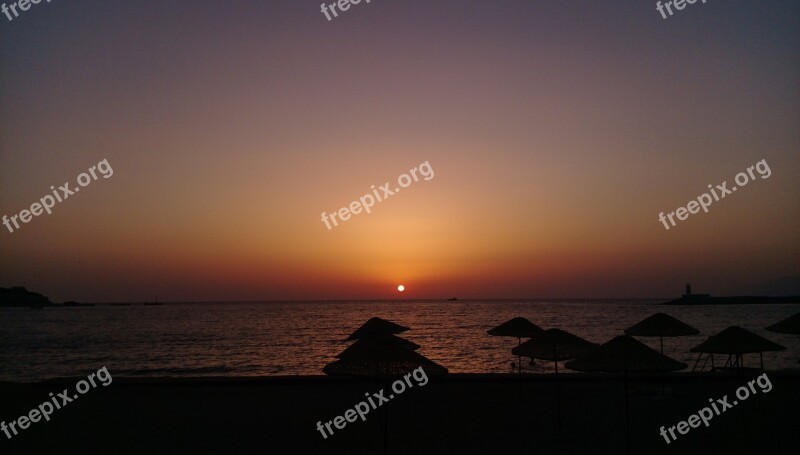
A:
(401, 288)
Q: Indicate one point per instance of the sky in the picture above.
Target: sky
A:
(557, 133)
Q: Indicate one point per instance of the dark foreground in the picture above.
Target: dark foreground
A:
(480, 414)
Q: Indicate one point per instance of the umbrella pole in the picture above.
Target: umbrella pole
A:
(385, 425)
(663, 375)
(386, 431)
(558, 402)
(627, 417)
(519, 374)
(697, 361)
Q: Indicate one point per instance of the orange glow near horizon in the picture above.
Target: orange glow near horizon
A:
(553, 152)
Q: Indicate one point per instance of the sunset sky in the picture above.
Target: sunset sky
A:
(557, 130)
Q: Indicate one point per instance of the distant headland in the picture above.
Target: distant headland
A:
(705, 299)
(18, 296)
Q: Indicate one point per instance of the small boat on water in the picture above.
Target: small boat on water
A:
(153, 303)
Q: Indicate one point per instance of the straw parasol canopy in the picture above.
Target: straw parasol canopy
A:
(376, 327)
(661, 325)
(625, 354)
(519, 328)
(790, 325)
(555, 345)
(380, 355)
(361, 346)
(736, 341)
(381, 360)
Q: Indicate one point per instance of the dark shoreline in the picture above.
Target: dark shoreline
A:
(733, 300)
(455, 414)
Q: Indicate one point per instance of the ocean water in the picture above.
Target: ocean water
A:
(299, 338)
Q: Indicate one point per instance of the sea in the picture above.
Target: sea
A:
(299, 338)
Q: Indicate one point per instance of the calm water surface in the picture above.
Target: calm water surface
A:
(298, 338)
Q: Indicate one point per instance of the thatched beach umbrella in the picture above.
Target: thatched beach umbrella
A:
(625, 354)
(790, 325)
(356, 349)
(735, 341)
(376, 327)
(555, 345)
(661, 325)
(383, 358)
(381, 361)
(519, 328)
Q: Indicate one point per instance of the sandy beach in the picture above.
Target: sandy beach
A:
(460, 413)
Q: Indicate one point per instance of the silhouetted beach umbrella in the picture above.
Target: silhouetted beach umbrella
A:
(378, 360)
(736, 341)
(790, 325)
(383, 360)
(355, 349)
(519, 328)
(555, 345)
(625, 354)
(661, 325)
(376, 327)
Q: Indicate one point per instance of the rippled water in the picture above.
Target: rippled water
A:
(298, 338)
